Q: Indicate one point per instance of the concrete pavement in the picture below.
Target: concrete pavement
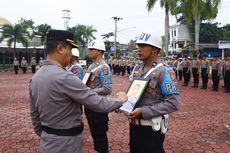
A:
(198, 127)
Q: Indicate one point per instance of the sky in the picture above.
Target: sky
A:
(98, 13)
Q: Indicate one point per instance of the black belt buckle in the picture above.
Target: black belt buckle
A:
(64, 132)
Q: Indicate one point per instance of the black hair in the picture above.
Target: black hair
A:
(51, 45)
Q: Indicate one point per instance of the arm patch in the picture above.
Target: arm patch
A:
(169, 84)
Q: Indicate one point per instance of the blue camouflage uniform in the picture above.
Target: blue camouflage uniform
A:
(159, 98)
(100, 82)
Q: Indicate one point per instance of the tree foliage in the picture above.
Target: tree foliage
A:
(14, 34)
(41, 30)
(83, 34)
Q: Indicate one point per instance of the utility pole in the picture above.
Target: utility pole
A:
(115, 33)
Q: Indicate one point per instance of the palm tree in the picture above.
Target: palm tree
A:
(197, 10)
(83, 34)
(167, 4)
(14, 34)
(41, 30)
(107, 35)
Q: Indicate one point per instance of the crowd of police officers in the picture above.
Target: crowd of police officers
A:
(24, 65)
(56, 95)
(199, 68)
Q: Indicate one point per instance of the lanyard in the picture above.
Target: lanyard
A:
(152, 69)
(98, 67)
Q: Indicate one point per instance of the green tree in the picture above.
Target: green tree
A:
(107, 35)
(14, 34)
(210, 33)
(226, 32)
(198, 10)
(26, 23)
(41, 30)
(167, 5)
(83, 34)
(28, 26)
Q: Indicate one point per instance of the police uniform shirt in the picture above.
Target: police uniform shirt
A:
(175, 64)
(23, 63)
(195, 63)
(16, 63)
(185, 64)
(227, 65)
(204, 64)
(101, 79)
(33, 62)
(41, 62)
(216, 65)
(180, 66)
(153, 102)
(56, 95)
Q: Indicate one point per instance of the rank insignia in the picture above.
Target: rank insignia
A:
(105, 71)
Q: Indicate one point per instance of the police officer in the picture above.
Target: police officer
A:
(186, 65)
(195, 71)
(180, 69)
(216, 70)
(16, 64)
(24, 65)
(41, 61)
(123, 66)
(75, 67)
(129, 64)
(226, 67)
(205, 66)
(100, 82)
(159, 98)
(175, 65)
(33, 64)
(56, 95)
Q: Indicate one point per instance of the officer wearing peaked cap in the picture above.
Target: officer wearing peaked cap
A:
(56, 96)
(149, 117)
(100, 82)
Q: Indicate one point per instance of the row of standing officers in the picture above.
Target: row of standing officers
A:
(203, 67)
(23, 64)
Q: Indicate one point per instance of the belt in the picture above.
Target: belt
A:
(142, 122)
(64, 132)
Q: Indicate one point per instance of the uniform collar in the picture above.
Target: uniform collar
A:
(52, 62)
(154, 63)
(101, 61)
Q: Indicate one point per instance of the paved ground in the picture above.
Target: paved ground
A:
(197, 128)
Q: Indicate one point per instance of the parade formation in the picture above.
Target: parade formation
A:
(149, 118)
(69, 91)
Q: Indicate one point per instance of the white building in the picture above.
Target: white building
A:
(179, 37)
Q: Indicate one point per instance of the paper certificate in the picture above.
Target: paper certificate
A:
(134, 93)
(86, 77)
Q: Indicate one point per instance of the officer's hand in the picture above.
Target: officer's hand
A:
(122, 96)
(135, 114)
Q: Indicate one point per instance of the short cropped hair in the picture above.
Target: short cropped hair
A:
(51, 45)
